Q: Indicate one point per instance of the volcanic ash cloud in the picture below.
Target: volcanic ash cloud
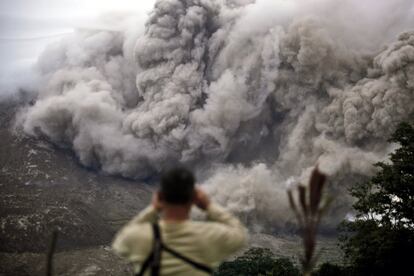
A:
(277, 84)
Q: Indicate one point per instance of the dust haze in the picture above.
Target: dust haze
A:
(251, 94)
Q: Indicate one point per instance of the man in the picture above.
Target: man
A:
(184, 247)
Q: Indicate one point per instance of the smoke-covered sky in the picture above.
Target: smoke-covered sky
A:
(251, 94)
(27, 26)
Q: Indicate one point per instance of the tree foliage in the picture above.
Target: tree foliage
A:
(258, 261)
(261, 261)
(328, 269)
(380, 241)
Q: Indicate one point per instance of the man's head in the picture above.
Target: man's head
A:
(177, 186)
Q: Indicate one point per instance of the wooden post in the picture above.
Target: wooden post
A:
(50, 253)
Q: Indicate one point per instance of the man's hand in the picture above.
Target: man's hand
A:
(201, 199)
(156, 202)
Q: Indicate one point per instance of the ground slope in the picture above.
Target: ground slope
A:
(43, 188)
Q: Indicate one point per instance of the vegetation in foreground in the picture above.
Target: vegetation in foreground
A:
(261, 261)
(379, 241)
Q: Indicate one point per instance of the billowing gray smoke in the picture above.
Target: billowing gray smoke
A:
(250, 93)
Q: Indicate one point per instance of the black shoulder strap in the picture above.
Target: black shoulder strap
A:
(154, 259)
(145, 265)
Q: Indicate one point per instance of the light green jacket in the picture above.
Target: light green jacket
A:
(207, 242)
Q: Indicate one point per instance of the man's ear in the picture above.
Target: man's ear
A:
(160, 196)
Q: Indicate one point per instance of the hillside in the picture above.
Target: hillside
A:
(44, 188)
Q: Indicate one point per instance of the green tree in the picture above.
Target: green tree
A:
(328, 269)
(380, 241)
(258, 261)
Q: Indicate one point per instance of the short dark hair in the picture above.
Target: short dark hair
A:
(177, 186)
